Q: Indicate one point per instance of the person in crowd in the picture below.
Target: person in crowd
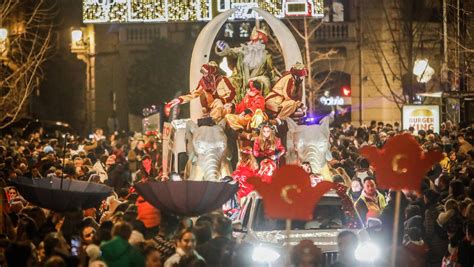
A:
(152, 255)
(371, 202)
(466, 246)
(306, 254)
(355, 190)
(118, 251)
(218, 251)
(413, 219)
(55, 245)
(203, 232)
(435, 237)
(19, 254)
(347, 243)
(163, 240)
(464, 145)
(185, 247)
(413, 251)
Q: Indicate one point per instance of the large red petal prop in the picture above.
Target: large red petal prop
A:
(290, 195)
(401, 163)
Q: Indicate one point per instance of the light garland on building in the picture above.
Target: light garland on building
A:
(103, 11)
(147, 10)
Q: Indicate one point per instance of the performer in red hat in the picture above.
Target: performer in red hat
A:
(283, 100)
(214, 91)
(250, 112)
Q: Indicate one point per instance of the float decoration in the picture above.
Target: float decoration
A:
(401, 163)
(290, 195)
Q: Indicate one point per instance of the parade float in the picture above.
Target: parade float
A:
(243, 124)
(253, 94)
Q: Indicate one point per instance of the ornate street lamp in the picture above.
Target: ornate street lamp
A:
(4, 44)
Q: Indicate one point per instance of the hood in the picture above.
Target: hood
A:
(417, 248)
(324, 239)
(114, 248)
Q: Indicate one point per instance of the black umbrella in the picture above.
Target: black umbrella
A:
(186, 198)
(61, 195)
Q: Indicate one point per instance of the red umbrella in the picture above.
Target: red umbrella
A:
(186, 198)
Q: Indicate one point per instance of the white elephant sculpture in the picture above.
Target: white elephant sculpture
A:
(309, 143)
(208, 153)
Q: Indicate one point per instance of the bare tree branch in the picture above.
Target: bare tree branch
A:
(29, 48)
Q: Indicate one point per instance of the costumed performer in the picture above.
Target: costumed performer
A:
(267, 145)
(214, 91)
(249, 112)
(250, 61)
(283, 101)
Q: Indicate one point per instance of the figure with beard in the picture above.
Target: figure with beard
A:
(282, 102)
(214, 91)
(250, 61)
(250, 112)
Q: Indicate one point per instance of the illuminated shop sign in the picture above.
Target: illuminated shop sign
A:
(104, 11)
(421, 117)
(332, 101)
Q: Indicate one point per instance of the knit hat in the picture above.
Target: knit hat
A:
(136, 238)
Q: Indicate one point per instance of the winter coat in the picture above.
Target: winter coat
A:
(217, 251)
(435, 236)
(148, 214)
(117, 252)
(241, 174)
(413, 254)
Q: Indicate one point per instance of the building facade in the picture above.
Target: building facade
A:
(378, 43)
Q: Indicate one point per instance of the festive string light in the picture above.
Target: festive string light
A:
(96, 11)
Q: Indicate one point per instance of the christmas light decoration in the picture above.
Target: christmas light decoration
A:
(118, 11)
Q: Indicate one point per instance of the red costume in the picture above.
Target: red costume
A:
(247, 167)
(241, 174)
(261, 152)
(267, 167)
(251, 103)
(250, 112)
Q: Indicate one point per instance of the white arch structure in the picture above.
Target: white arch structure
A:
(205, 40)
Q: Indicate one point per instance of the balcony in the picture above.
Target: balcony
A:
(336, 32)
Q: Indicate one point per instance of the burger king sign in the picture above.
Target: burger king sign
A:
(421, 117)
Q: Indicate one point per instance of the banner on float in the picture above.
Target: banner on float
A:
(421, 117)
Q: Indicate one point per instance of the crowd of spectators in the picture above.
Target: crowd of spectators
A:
(436, 224)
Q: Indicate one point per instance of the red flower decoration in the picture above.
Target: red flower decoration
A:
(290, 195)
(401, 163)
